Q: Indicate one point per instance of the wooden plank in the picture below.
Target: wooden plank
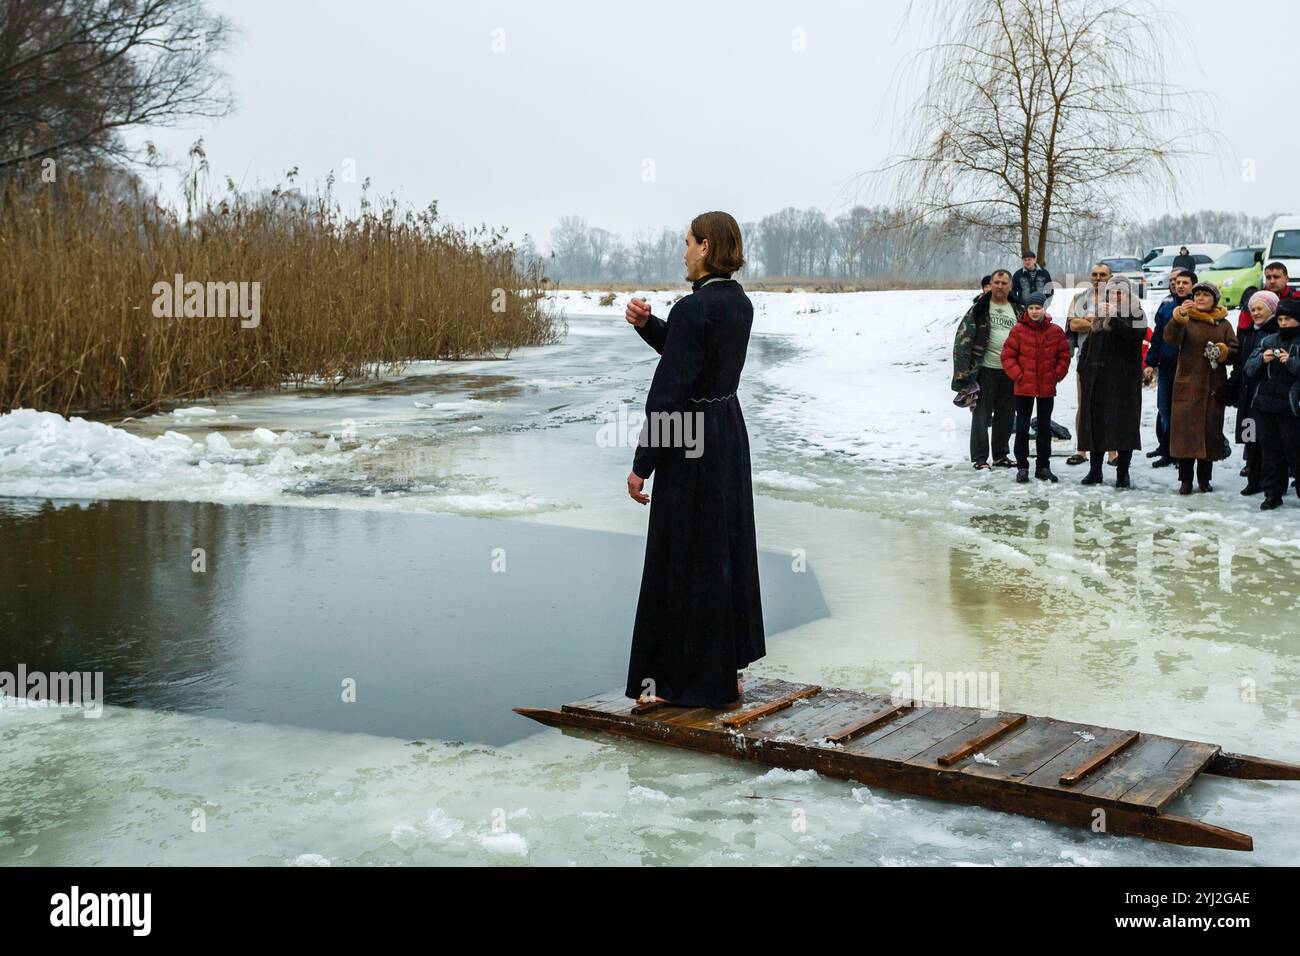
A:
(977, 743)
(1048, 776)
(607, 702)
(914, 737)
(1094, 761)
(771, 707)
(1120, 774)
(614, 701)
(1017, 755)
(1157, 790)
(1064, 807)
(870, 722)
(863, 743)
(816, 720)
(1246, 767)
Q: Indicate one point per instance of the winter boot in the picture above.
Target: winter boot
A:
(1022, 474)
(1044, 473)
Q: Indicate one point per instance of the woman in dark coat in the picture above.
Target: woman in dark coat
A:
(1241, 387)
(699, 618)
(1110, 381)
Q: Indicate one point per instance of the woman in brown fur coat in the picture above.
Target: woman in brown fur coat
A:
(1206, 342)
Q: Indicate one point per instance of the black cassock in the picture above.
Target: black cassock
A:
(699, 617)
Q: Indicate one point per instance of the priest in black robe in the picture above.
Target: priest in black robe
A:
(699, 617)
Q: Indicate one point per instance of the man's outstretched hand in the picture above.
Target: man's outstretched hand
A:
(638, 311)
(636, 484)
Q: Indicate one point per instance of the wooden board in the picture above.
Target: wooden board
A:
(1023, 758)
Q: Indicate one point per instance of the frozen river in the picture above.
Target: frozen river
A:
(458, 539)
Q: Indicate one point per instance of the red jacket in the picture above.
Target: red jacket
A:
(1036, 356)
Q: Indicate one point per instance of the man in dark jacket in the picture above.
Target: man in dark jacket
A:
(1184, 260)
(1275, 364)
(1029, 280)
(1162, 361)
(1276, 281)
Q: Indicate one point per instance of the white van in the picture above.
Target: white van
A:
(1159, 262)
(1284, 246)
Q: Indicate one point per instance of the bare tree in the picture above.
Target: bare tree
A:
(74, 74)
(1040, 118)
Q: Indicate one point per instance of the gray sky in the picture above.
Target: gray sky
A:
(565, 119)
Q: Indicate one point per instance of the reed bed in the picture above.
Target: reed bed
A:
(341, 297)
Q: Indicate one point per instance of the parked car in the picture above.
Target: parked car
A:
(1239, 274)
(1284, 246)
(1202, 253)
(1211, 249)
(1129, 267)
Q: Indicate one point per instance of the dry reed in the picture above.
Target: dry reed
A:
(342, 297)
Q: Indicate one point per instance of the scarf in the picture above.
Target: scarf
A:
(1190, 311)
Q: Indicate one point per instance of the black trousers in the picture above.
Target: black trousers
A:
(1123, 459)
(996, 404)
(1043, 441)
(1204, 469)
(1279, 441)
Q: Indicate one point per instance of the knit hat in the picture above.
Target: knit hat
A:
(1209, 287)
(1289, 308)
(1269, 299)
(985, 281)
(1036, 298)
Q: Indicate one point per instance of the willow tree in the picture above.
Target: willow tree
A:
(1041, 119)
(75, 75)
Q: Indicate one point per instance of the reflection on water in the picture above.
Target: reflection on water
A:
(444, 623)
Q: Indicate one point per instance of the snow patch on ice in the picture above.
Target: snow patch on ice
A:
(509, 844)
(781, 775)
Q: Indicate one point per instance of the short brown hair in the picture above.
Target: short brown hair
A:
(726, 254)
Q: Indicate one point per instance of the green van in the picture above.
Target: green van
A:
(1239, 274)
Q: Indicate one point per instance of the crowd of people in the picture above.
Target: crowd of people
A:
(1010, 355)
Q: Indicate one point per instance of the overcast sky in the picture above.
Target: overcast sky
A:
(639, 117)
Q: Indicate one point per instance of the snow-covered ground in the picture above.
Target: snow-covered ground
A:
(1135, 608)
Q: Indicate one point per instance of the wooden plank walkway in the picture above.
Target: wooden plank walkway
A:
(1114, 781)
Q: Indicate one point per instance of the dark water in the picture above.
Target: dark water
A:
(295, 601)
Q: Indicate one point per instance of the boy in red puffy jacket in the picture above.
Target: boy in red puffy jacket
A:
(1035, 357)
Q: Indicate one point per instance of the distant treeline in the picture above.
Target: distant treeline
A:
(875, 244)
